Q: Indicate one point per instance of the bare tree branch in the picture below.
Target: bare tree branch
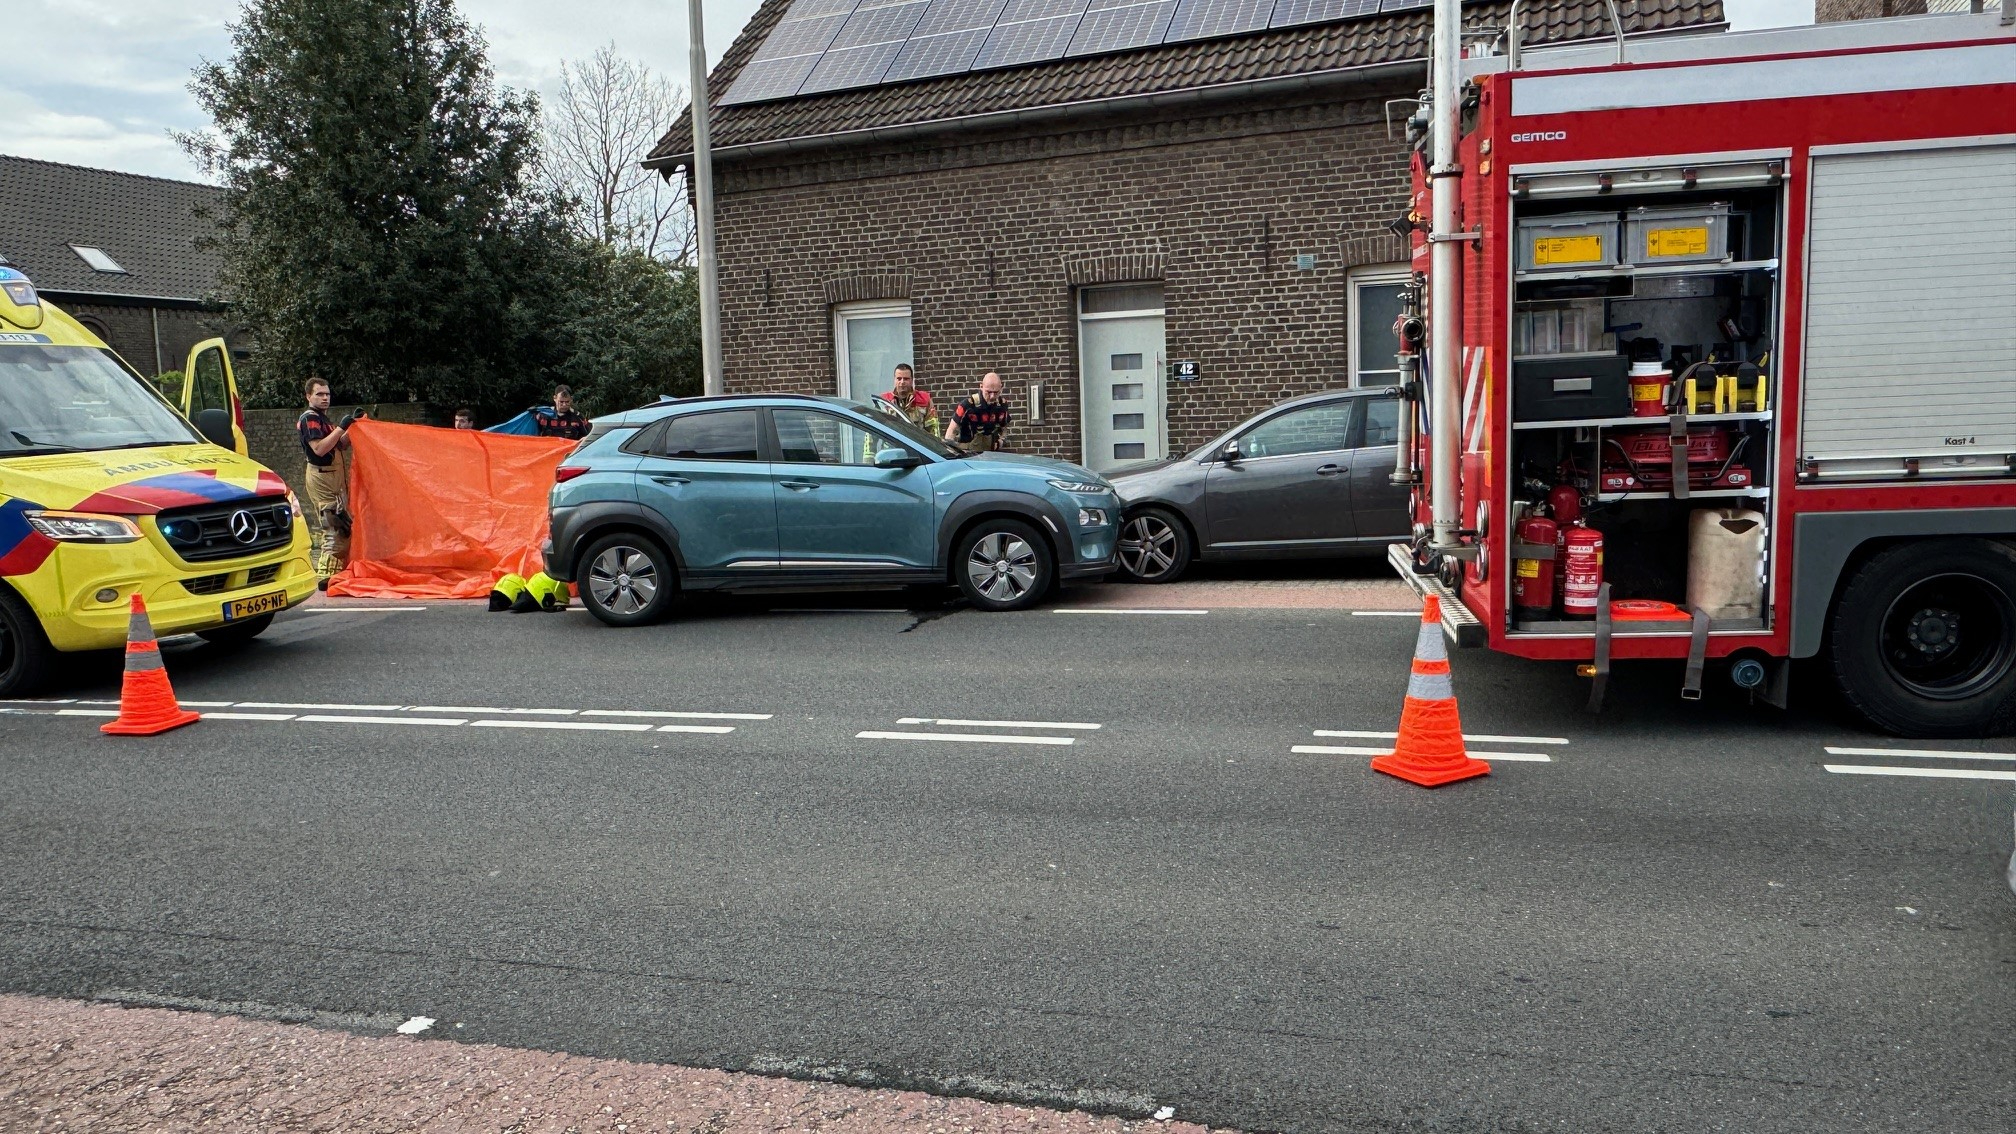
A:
(606, 117)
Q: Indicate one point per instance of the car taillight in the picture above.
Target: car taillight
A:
(565, 473)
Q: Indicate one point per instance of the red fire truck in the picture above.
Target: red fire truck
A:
(1713, 353)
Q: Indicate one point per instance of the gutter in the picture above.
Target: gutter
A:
(119, 300)
(1187, 96)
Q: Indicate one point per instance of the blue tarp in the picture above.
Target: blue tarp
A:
(523, 423)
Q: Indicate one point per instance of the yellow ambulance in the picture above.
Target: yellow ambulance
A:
(107, 490)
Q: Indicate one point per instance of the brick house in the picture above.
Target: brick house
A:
(119, 251)
(1084, 220)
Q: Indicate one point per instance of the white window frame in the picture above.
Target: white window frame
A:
(843, 376)
(1371, 275)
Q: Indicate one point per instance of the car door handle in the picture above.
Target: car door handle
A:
(668, 478)
(1329, 470)
(797, 485)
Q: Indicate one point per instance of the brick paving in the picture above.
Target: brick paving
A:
(71, 1066)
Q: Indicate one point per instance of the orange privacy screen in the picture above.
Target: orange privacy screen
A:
(442, 513)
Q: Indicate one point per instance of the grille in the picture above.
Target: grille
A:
(203, 533)
(207, 584)
(258, 575)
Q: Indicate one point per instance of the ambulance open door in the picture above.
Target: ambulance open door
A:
(210, 396)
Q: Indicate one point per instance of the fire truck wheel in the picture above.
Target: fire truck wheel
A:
(1924, 639)
(1154, 546)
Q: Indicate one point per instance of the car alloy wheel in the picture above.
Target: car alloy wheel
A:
(1153, 547)
(623, 580)
(1003, 567)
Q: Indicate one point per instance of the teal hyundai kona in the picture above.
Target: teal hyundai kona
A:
(790, 492)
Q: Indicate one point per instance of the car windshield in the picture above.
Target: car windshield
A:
(65, 399)
(888, 417)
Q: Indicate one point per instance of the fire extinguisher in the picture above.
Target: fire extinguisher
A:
(1532, 576)
(1583, 579)
(1564, 503)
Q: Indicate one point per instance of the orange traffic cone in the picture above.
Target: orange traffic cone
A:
(1429, 750)
(147, 705)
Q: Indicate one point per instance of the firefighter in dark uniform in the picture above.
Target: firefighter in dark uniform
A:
(561, 420)
(981, 422)
(326, 445)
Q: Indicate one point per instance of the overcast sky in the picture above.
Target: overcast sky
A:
(102, 82)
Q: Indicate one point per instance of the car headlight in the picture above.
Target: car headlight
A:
(1081, 487)
(83, 527)
(1091, 517)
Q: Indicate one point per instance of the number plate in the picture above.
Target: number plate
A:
(255, 606)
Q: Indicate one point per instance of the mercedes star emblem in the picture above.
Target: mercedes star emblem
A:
(244, 528)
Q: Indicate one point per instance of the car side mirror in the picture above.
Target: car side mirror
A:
(1230, 453)
(215, 426)
(896, 459)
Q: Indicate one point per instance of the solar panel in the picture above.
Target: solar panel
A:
(826, 45)
(1288, 13)
(958, 15)
(851, 67)
(948, 54)
(769, 78)
(1030, 41)
(1208, 19)
(879, 21)
(1121, 25)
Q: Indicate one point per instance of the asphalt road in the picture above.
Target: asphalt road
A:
(1679, 921)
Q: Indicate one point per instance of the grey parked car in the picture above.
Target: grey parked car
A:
(1308, 478)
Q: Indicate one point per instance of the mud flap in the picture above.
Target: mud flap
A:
(1697, 657)
(1599, 672)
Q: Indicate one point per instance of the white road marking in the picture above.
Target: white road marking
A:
(357, 609)
(415, 1026)
(463, 709)
(1486, 738)
(1916, 753)
(86, 713)
(1344, 750)
(1923, 773)
(245, 716)
(714, 729)
(679, 716)
(1123, 610)
(381, 720)
(207, 704)
(998, 724)
(1414, 614)
(836, 610)
(40, 701)
(592, 726)
(303, 705)
(968, 737)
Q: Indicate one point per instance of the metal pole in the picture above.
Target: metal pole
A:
(702, 188)
(1445, 312)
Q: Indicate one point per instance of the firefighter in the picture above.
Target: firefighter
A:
(561, 420)
(981, 421)
(913, 404)
(326, 445)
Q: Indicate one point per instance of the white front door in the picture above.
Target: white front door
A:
(1125, 403)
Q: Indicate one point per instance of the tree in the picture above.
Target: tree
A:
(625, 328)
(606, 117)
(378, 223)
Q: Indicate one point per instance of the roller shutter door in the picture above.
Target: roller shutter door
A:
(1911, 307)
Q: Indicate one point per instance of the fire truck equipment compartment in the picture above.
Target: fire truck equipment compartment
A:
(1691, 234)
(1569, 387)
(1571, 240)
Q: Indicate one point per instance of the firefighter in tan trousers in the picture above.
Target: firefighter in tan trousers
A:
(327, 447)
